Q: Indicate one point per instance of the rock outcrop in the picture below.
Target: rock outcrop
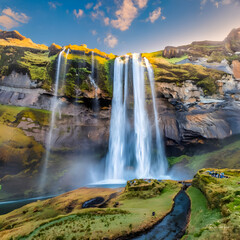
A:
(236, 69)
(54, 49)
(200, 49)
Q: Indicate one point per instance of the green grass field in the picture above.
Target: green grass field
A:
(201, 215)
(50, 219)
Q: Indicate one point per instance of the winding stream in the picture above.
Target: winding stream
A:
(173, 226)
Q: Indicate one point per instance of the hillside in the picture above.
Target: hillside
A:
(14, 38)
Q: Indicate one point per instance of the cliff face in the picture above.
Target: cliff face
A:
(197, 101)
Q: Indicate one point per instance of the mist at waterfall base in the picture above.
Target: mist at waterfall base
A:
(136, 147)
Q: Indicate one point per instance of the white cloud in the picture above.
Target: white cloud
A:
(97, 6)
(163, 17)
(78, 13)
(106, 21)
(99, 40)
(153, 16)
(111, 41)
(10, 19)
(217, 3)
(203, 3)
(89, 5)
(54, 4)
(125, 15)
(20, 17)
(94, 32)
(141, 3)
(8, 22)
(97, 14)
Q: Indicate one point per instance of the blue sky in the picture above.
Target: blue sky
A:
(121, 26)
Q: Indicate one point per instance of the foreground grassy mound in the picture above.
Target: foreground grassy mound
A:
(221, 219)
(64, 218)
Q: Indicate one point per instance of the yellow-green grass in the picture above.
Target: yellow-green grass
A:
(202, 217)
(24, 220)
(166, 71)
(222, 194)
(12, 115)
(175, 60)
(49, 219)
(16, 147)
(8, 113)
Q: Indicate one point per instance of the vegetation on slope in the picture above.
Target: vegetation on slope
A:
(79, 67)
(222, 194)
(226, 157)
(29, 61)
(166, 71)
(19, 154)
(64, 218)
(202, 217)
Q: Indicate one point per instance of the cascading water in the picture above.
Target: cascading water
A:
(54, 108)
(95, 86)
(161, 164)
(145, 162)
(141, 122)
(91, 77)
(115, 159)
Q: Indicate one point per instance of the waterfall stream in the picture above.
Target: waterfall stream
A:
(91, 77)
(115, 158)
(160, 161)
(54, 107)
(136, 155)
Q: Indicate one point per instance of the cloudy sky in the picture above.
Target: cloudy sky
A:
(121, 26)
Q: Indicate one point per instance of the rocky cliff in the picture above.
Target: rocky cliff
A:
(197, 101)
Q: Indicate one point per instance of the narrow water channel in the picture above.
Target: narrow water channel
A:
(8, 206)
(173, 226)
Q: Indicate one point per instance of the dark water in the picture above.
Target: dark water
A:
(6, 207)
(173, 225)
(93, 202)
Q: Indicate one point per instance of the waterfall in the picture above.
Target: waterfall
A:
(161, 164)
(115, 158)
(91, 77)
(137, 154)
(54, 108)
(142, 127)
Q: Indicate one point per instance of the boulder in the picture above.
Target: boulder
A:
(236, 69)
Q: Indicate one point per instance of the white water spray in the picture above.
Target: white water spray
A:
(160, 164)
(91, 77)
(115, 157)
(54, 108)
(141, 158)
(142, 127)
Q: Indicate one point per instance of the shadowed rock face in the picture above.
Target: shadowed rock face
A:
(11, 34)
